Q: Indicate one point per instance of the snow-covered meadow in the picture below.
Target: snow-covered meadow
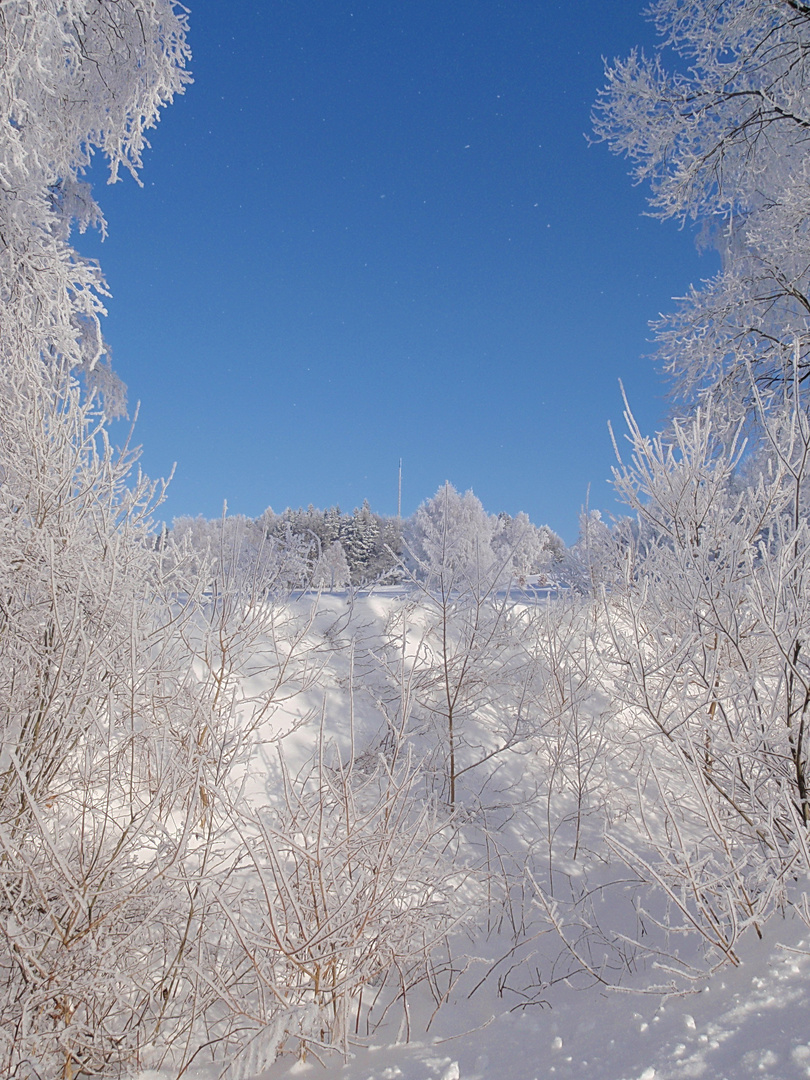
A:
(564, 962)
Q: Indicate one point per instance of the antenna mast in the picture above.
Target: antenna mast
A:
(399, 493)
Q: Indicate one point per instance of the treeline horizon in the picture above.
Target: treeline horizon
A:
(336, 548)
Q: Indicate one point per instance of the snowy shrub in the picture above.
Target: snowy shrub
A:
(706, 648)
(341, 893)
(99, 735)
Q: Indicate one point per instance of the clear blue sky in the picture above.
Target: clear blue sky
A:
(373, 230)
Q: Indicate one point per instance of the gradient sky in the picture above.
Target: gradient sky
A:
(372, 230)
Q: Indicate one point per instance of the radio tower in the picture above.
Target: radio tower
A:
(399, 493)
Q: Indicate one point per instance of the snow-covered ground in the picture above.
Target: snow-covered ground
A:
(749, 1020)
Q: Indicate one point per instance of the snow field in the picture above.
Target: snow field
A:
(520, 1002)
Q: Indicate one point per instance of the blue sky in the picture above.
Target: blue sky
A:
(373, 230)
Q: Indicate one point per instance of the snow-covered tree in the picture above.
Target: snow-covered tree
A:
(331, 524)
(531, 549)
(99, 734)
(76, 78)
(706, 646)
(450, 539)
(332, 569)
(472, 665)
(360, 539)
(722, 141)
(103, 744)
(595, 559)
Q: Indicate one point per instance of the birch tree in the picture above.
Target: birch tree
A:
(76, 78)
(722, 142)
(468, 640)
(97, 727)
(706, 647)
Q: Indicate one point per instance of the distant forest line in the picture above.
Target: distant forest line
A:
(333, 548)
